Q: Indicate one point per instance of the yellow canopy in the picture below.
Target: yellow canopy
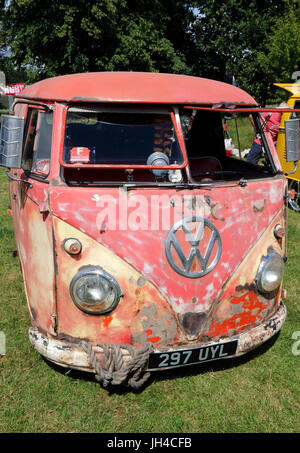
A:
(293, 88)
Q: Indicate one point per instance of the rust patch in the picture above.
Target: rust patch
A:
(249, 287)
(192, 322)
(259, 206)
(272, 325)
(70, 339)
(253, 288)
(139, 298)
(54, 258)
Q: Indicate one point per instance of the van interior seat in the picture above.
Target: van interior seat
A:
(205, 164)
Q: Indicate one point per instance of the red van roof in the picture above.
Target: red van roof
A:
(136, 87)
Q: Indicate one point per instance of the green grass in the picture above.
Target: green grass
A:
(245, 130)
(257, 393)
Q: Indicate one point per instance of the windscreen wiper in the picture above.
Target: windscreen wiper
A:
(218, 172)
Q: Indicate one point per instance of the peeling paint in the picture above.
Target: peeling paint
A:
(154, 327)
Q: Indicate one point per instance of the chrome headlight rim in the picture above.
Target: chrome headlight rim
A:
(97, 308)
(262, 269)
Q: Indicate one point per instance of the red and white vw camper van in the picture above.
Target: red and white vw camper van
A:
(143, 244)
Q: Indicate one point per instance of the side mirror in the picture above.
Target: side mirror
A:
(292, 140)
(11, 141)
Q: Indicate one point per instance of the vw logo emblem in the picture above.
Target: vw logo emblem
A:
(193, 247)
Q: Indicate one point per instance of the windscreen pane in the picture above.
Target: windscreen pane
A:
(119, 138)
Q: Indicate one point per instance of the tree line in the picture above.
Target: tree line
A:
(256, 41)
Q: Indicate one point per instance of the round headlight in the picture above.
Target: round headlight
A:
(270, 273)
(94, 291)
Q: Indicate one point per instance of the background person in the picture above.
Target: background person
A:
(272, 122)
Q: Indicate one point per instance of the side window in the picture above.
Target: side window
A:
(37, 142)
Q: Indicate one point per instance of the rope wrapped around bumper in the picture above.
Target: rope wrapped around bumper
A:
(112, 370)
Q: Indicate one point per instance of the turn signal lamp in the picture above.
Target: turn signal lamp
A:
(72, 246)
(279, 232)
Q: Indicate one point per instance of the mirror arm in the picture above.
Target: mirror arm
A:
(294, 169)
(13, 178)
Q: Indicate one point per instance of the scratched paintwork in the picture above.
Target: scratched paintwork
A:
(145, 277)
(151, 261)
(241, 304)
(130, 318)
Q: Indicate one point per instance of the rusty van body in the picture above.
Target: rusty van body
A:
(143, 246)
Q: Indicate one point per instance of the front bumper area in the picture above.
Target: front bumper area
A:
(105, 360)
